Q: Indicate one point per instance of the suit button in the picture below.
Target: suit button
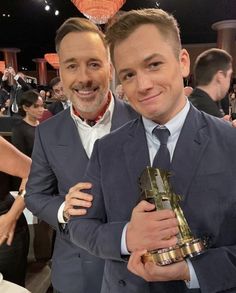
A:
(122, 283)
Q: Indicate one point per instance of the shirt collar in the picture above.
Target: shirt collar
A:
(174, 125)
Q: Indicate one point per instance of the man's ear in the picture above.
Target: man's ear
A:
(219, 75)
(25, 108)
(184, 62)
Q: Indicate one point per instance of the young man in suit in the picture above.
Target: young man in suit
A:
(212, 75)
(61, 102)
(64, 143)
(146, 51)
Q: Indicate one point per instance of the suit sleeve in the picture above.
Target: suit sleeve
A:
(41, 190)
(216, 267)
(24, 85)
(92, 232)
(216, 270)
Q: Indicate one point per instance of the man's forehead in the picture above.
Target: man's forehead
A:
(58, 85)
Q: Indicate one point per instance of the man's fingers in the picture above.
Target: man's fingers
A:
(135, 264)
(144, 206)
(77, 202)
(76, 212)
(80, 185)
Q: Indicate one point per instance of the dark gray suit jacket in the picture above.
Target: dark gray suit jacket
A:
(59, 162)
(55, 107)
(203, 167)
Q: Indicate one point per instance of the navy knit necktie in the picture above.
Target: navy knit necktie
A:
(162, 157)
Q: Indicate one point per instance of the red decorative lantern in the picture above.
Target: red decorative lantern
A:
(52, 59)
(2, 66)
(98, 11)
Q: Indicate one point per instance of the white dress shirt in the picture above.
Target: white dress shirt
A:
(88, 136)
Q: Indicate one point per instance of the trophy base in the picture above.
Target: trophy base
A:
(167, 256)
(192, 248)
(164, 256)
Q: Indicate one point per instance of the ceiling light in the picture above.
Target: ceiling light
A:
(98, 11)
(47, 7)
(56, 12)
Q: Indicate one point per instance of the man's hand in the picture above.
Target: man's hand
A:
(154, 273)
(12, 71)
(77, 201)
(228, 118)
(7, 103)
(234, 123)
(149, 229)
(6, 74)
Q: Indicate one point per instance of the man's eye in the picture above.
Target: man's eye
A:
(154, 65)
(71, 66)
(94, 65)
(127, 76)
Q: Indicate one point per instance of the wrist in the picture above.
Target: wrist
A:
(186, 273)
(66, 216)
(128, 244)
(22, 193)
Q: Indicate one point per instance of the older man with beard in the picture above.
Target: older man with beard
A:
(64, 143)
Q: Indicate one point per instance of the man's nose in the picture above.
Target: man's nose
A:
(144, 82)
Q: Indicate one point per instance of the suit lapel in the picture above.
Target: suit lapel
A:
(136, 150)
(189, 149)
(121, 114)
(69, 144)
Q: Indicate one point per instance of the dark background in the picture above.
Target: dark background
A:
(32, 29)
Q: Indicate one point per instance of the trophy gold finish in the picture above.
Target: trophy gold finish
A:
(155, 188)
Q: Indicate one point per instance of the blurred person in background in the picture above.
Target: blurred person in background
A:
(61, 102)
(16, 90)
(31, 109)
(212, 75)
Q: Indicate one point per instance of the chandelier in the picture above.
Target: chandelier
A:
(52, 59)
(98, 11)
(2, 66)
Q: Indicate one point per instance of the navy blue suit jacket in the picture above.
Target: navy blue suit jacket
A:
(59, 162)
(203, 168)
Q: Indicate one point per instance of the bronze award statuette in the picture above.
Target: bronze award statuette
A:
(155, 188)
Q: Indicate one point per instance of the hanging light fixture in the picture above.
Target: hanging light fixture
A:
(2, 66)
(98, 11)
(52, 59)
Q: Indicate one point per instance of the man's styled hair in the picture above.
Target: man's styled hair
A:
(54, 81)
(209, 63)
(80, 25)
(130, 21)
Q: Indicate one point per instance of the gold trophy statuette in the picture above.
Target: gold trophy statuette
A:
(155, 188)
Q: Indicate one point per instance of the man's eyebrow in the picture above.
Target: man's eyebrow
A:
(70, 60)
(145, 60)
